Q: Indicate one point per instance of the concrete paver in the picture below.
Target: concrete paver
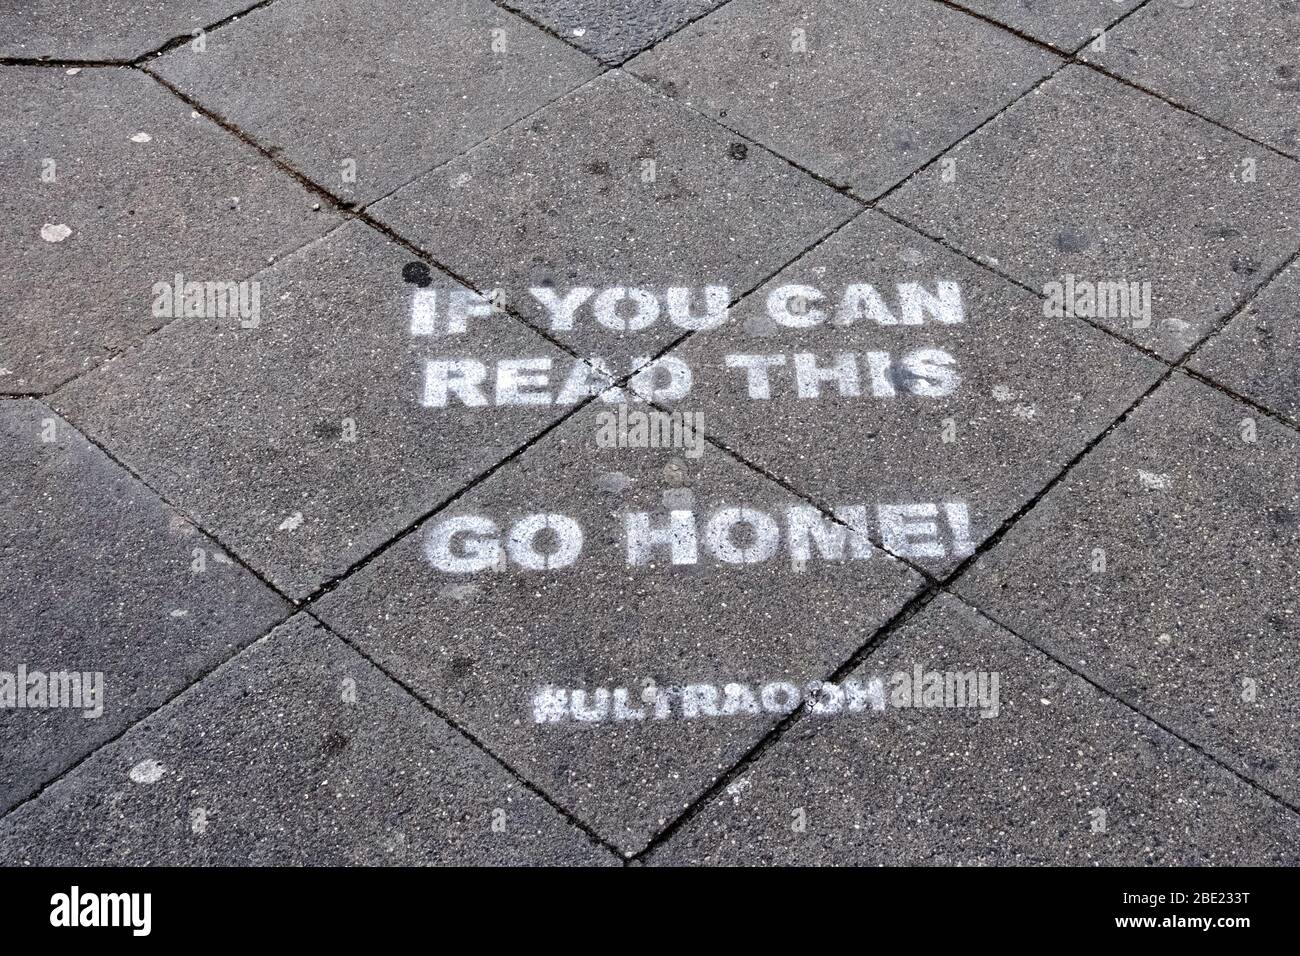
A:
(1255, 354)
(1066, 26)
(1245, 54)
(1087, 181)
(305, 441)
(1168, 567)
(613, 30)
(350, 95)
(112, 188)
(107, 29)
(861, 94)
(614, 187)
(1062, 775)
(309, 756)
(99, 577)
(645, 592)
(882, 365)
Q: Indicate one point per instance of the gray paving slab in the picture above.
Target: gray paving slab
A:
(99, 577)
(596, 656)
(1255, 354)
(351, 95)
(1090, 181)
(298, 752)
(1063, 775)
(614, 187)
(1067, 26)
(1246, 71)
(548, 621)
(112, 185)
(305, 442)
(861, 94)
(106, 29)
(1168, 566)
(883, 365)
(613, 30)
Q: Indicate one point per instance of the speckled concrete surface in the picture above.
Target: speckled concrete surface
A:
(690, 432)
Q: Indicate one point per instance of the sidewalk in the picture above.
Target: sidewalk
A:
(954, 344)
